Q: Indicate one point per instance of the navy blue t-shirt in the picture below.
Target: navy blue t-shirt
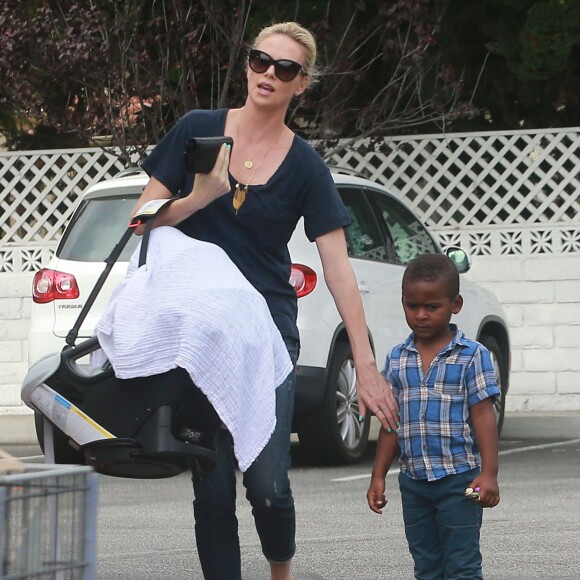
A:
(255, 238)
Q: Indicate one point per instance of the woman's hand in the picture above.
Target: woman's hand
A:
(374, 394)
(209, 186)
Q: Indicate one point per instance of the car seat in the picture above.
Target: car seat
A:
(146, 427)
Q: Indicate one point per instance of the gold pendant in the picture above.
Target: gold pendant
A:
(248, 164)
(239, 196)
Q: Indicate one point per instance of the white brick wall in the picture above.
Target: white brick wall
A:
(15, 321)
(541, 298)
(15, 316)
(540, 295)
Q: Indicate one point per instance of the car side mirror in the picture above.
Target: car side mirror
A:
(460, 258)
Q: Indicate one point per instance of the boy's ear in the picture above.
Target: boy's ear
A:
(457, 304)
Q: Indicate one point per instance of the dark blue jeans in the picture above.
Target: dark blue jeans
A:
(267, 488)
(442, 527)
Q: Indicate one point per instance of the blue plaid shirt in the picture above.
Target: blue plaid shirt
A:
(436, 436)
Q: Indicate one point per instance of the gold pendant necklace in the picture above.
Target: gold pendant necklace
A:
(240, 192)
(239, 196)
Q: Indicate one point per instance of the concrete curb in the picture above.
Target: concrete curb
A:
(555, 425)
(17, 430)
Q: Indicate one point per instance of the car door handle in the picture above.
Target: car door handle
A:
(363, 288)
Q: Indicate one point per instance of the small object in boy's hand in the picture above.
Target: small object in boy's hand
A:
(471, 493)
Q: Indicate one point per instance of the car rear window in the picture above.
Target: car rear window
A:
(96, 227)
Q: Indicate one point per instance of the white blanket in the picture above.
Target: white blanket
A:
(190, 307)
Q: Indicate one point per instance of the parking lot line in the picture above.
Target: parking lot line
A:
(362, 476)
(505, 452)
(542, 446)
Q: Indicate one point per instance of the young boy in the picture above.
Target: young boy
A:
(445, 387)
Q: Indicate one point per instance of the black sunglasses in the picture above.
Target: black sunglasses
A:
(286, 70)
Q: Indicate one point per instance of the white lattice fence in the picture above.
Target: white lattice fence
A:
(38, 192)
(506, 193)
(25, 259)
(496, 193)
(523, 241)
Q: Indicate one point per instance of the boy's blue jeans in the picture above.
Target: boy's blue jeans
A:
(442, 527)
(267, 488)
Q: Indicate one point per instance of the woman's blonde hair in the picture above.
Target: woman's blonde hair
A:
(300, 35)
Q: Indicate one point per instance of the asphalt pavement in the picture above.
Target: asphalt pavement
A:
(145, 527)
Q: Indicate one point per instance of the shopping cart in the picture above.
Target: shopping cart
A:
(48, 523)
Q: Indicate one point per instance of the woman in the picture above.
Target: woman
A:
(249, 205)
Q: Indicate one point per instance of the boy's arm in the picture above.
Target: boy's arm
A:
(485, 429)
(386, 448)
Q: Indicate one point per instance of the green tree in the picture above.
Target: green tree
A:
(122, 71)
(530, 54)
(125, 71)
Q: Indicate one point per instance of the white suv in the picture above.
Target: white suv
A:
(383, 237)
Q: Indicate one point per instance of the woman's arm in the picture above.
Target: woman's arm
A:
(373, 392)
(206, 188)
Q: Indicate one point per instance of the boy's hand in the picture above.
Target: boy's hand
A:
(488, 490)
(376, 495)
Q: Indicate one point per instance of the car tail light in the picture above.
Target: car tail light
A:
(303, 279)
(49, 285)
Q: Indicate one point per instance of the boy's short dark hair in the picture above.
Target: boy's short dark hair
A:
(431, 267)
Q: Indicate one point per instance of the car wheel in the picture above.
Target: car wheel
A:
(501, 376)
(333, 433)
(63, 452)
